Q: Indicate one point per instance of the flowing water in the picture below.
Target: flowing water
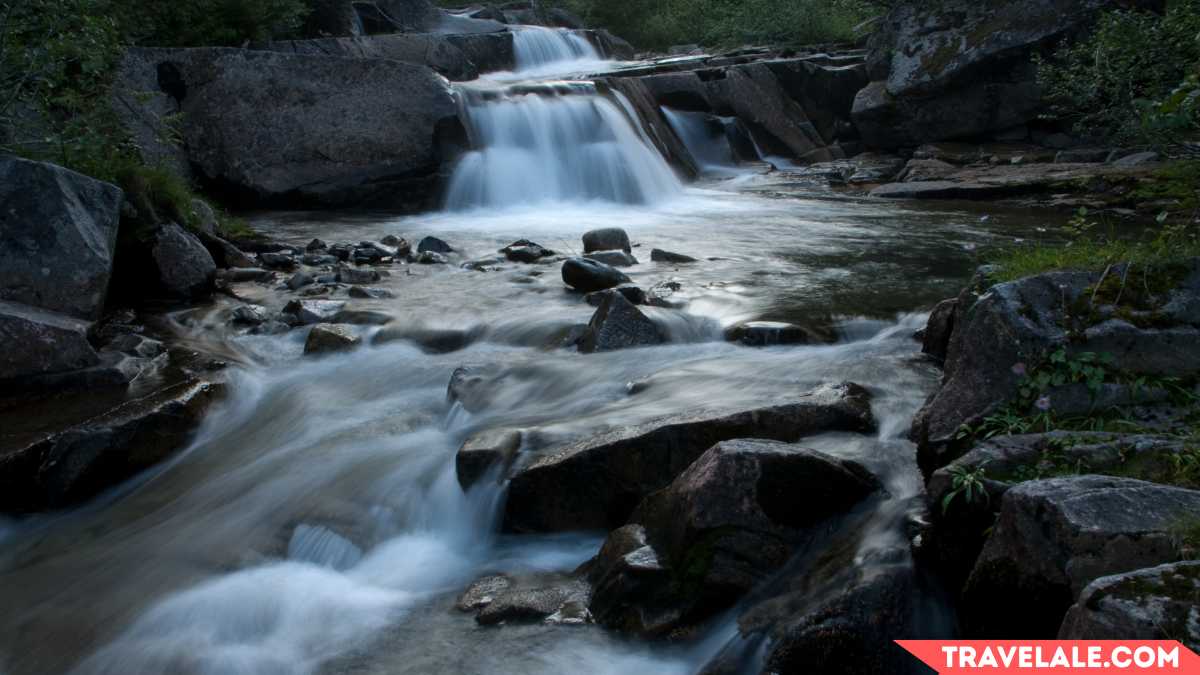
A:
(315, 523)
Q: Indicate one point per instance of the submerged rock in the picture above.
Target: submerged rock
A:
(526, 251)
(370, 293)
(771, 333)
(305, 312)
(596, 483)
(433, 245)
(327, 338)
(588, 276)
(617, 324)
(430, 340)
(483, 451)
(659, 255)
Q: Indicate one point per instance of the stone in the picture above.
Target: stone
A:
(471, 387)
(316, 245)
(137, 345)
(617, 324)
(725, 525)
(251, 315)
(300, 280)
(294, 129)
(37, 342)
(355, 276)
(73, 465)
(596, 483)
(606, 239)
(588, 276)
(363, 317)
(940, 189)
(613, 258)
(58, 233)
(318, 259)
(1082, 156)
(204, 218)
(306, 312)
(633, 294)
(242, 274)
(365, 293)
(225, 254)
(936, 340)
(430, 340)
(1056, 536)
(923, 170)
(434, 245)
(659, 255)
(277, 261)
(482, 592)
(431, 258)
(1136, 159)
(771, 333)
(178, 266)
(536, 599)
(1156, 603)
(482, 452)
(328, 338)
(526, 251)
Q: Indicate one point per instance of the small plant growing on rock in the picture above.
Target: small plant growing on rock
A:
(968, 483)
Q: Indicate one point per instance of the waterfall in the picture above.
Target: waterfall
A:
(553, 143)
(534, 46)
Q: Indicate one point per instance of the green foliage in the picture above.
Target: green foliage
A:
(968, 483)
(1124, 80)
(189, 23)
(658, 24)
(1185, 535)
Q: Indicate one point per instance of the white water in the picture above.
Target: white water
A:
(708, 146)
(535, 47)
(554, 143)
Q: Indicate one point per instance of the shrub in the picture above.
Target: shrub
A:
(1100, 84)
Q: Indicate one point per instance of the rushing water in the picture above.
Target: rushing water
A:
(535, 47)
(315, 524)
(705, 138)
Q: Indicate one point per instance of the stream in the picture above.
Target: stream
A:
(315, 525)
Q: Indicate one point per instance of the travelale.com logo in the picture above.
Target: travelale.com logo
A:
(1054, 656)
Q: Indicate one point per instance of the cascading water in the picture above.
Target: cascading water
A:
(554, 143)
(705, 141)
(535, 47)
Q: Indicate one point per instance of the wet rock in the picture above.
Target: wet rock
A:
(771, 333)
(277, 261)
(306, 312)
(1158, 603)
(936, 339)
(431, 258)
(633, 294)
(661, 294)
(596, 483)
(316, 291)
(1055, 536)
(318, 259)
(526, 251)
(613, 258)
(74, 465)
(363, 317)
(1136, 159)
(1082, 156)
(370, 293)
(940, 189)
(430, 340)
(606, 239)
(588, 276)
(179, 266)
(225, 254)
(924, 170)
(327, 338)
(242, 274)
(659, 255)
(250, 315)
(483, 451)
(483, 592)
(300, 280)
(58, 232)
(400, 244)
(137, 345)
(726, 524)
(537, 599)
(37, 342)
(355, 276)
(617, 324)
(471, 387)
(434, 245)
(316, 245)
(342, 251)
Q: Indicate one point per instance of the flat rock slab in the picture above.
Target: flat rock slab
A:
(38, 342)
(1157, 603)
(597, 483)
(70, 466)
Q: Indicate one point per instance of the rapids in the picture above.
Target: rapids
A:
(315, 524)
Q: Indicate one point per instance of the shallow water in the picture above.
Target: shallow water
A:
(316, 525)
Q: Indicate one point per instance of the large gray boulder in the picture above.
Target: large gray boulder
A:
(1056, 536)
(617, 324)
(1158, 603)
(37, 342)
(589, 276)
(963, 67)
(596, 483)
(58, 232)
(1003, 330)
(458, 57)
(72, 465)
(297, 128)
(182, 267)
(723, 526)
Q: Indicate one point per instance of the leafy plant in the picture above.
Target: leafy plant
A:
(967, 482)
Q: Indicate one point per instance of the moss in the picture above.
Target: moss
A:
(1178, 181)
(158, 195)
(236, 229)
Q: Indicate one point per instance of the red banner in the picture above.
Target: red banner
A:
(1021, 657)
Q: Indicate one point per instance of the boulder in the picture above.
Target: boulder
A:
(434, 245)
(633, 294)
(935, 341)
(1056, 536)
(58, 233)
(70, 466)
(430, 340)
(362, 317)
(365, 293)
(552, 598)
(328, 338)
(924, 170)
(355, 276)
(772, 333)
(525, 251)
(1158, 603)
(727, 523)
(438, 52)
(483, 451)
(251, 315)
(617, 324)
(299, 280)
(38, 342)
(825, 92)
(613, 258)
(588, 276)
(659, 255)
(225, 254)
(778, 124)
(306, 312)
(606, 239)
(963, 68)
(431, 258)
(296, 129)
(165, 261)
(597, 482)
